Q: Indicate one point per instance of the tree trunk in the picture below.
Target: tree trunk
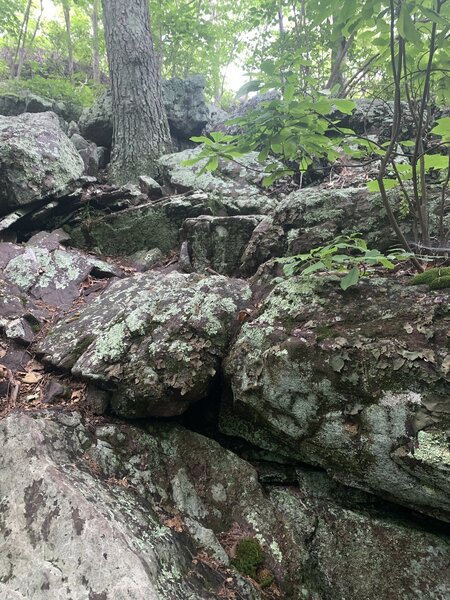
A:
(66, 11)
(140, 128)
(95, 43)
(21, 44)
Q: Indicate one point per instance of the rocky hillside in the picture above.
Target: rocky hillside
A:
(179, 419)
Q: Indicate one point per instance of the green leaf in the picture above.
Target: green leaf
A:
(372, 186)
(435, 161)
(313, 268)
(406, 27)
(345, 106)
(199, 139)
(250, 86)
(434, 16)
(442, 128)
(350, 279)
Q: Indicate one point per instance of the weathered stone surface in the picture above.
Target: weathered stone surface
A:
(358, 552)
(67, 533)
(41, 271)
(313, 537)
(218, 242)
(312, 217)
(185, 106)
(155, 340)
(144, 227)
(36, 159)
(233, 188)
(355, 382)
(12, 105)
(150, 187)
(146, 259)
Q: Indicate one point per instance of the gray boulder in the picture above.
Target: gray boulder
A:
(36, 159)
(177, 504)
(141, 227)
(185, 106)
(69, 533)
(234, 189)
(218, 242)
(154, 340)
(12, 105)
(354, 382)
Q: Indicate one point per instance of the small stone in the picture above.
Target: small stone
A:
(144, 260)
(54, 391)
(149, 186)
(97, 400)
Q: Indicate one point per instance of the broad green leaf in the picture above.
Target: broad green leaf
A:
(250, 86)
(406, 27)
(372, 186)
(442, 128)
(435, 161)
(350, 279)
(313, 268)
(434, 16)
(345, 106)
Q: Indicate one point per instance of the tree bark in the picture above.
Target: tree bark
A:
(95, 43)
(140, 128)
(66, 11)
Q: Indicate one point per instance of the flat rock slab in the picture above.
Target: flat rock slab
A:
(37, 159)
(144, 227)
(67, 533)
(154, 340)
(233, 188)
(38, 277)
(356, 382)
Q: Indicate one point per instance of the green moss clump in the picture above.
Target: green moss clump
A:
(428, 276)
(249, 557)
(440, 283)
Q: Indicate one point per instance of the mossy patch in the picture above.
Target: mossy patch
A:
(428, 276)
(249, 561)
(440, 283)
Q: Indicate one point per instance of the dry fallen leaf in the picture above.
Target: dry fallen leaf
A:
(32, 377)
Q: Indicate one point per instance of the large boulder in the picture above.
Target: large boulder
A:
(154, 340)
(146, 226)
(185, 106)
(13, 104)
(157, 511)
(355, 382)
(235, 188)
(38, 277)
(68, 532)
(36, 159)
(313, 217)
(218, 242)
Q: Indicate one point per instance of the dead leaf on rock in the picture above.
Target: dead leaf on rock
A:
(32, 377)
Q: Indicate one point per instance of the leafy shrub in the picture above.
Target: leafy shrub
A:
(54, 88)
(347, 254)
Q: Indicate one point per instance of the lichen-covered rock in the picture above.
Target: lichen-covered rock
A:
(67, 533)
(233, 187)
(185, 106)
(218, 242)
(155, 340)
(143, 227)
(41, 270)
(313, 537)
(12, 105)
(361, 551)
(312, 217)
(356, 382)
(36, 159)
